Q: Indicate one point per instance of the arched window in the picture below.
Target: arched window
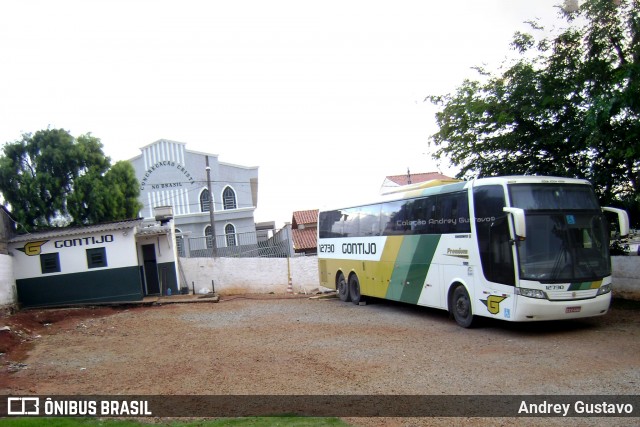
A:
(179, 243)
(230, 234)
(204, 201)
(229, 198)
(207, 234)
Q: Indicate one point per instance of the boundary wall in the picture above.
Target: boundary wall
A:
(626, 277)
(265, 275)
(250, 275)
(271, 275)
(7, 283)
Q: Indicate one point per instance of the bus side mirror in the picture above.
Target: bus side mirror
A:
(623, 220)
(519, 224)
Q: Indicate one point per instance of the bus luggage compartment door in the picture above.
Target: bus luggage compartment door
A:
(432, 289)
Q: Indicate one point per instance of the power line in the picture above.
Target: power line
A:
(169, 198)
(203, 182)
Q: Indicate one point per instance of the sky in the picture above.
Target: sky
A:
(326, 98)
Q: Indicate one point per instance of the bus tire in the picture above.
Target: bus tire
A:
(461, 307)
(342, 289)
(354, 289)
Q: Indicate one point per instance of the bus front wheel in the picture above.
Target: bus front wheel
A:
(461, 307)
(342, 288)
(354, 289)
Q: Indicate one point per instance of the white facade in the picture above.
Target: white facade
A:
(119, 246)
(7, 282)
(171, 175)
(119, 261)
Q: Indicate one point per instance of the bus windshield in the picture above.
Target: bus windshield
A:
(567, 237)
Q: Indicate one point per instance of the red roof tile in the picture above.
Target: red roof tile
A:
(304, 239)
(304, 217)
(416, 177)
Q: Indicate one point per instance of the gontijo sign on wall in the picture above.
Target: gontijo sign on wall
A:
(35, 248)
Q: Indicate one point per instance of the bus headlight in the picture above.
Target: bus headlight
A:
(531, 293)
(604, 289)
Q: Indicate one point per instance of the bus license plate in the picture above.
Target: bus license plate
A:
(572, 309)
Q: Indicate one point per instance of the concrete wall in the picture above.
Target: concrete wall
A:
(7, 282)
(251, 275)
(264, 275)
(626, 277)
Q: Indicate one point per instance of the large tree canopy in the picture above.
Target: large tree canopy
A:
(568, 105)
(51, 179)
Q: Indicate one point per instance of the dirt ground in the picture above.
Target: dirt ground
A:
(298, 345)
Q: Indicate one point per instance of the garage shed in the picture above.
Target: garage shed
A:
(109, 262)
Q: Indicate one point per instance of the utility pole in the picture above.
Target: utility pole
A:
(213, 227)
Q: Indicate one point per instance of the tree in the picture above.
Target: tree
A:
(51, 179)
(568, 105)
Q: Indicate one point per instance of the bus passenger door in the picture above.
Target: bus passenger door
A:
(432, 289)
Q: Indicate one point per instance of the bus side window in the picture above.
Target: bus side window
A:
(370, 220)
(392, 217)
(463, 224)
(422, 213)
(492, 230)
(445, 213)
(351, 220)
(329, 224)
(452, 214)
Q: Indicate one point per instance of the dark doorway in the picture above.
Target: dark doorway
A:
(150, 269)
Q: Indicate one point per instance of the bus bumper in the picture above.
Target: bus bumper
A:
(532, 309)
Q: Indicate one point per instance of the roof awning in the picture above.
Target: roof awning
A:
(73, 231)
(154, 230)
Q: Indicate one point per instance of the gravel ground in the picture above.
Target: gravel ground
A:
(295, 345)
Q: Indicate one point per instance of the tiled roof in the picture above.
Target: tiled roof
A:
(70, 231)
(304, 239)
(304, 217)
(416, 177)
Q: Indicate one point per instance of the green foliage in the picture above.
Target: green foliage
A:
(51, 179)
(569, 105)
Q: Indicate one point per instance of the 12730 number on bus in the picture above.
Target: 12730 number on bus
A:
(327, 248)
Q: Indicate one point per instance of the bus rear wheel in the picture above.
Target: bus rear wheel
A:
(342, 288)
(354, 289)
(461, 307)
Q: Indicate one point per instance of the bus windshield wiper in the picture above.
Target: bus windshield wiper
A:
(558, 265)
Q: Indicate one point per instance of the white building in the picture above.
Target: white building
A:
(171, 175)
(108, 262)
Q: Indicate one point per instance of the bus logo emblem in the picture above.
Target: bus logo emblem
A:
(33, 248)
(493, 303)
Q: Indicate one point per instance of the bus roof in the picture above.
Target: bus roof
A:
(420, 185)
(440, 186)
(528, 179)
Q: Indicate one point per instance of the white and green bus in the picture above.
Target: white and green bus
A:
(517, 248)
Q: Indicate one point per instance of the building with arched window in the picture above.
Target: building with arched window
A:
(230, 235)
(229, 198)
(171, 175)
